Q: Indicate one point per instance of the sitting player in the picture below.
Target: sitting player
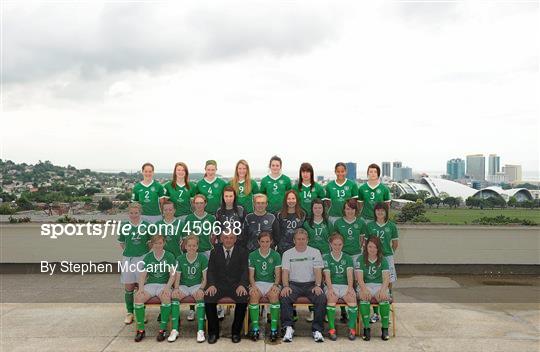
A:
(264, 279)
(155, 280)
(190, 281)
(373, 277)
(339, 279)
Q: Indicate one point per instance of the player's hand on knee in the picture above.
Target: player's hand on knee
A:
(286, 291)
(211, 291)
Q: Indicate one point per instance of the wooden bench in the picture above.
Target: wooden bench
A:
(301, 301)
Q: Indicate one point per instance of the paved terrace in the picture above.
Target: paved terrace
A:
(434, 313)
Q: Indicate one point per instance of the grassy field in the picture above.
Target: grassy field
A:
(462, 216)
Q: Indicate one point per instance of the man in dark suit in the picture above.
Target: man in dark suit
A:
(227, 276)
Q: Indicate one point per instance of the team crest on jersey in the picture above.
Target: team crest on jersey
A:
(346, 188)
(153, 189)
(270, 261)
(216, 186)
(342, 262)
(265, 222)
(355, 226)
(280, 182)
(378, 191)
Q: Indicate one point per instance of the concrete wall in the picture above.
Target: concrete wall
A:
(426, 244)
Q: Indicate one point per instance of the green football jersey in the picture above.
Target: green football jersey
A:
(372, 273)
(246, 200)
(352, 233)
(148, 196)
(338, 267)
(386, 233)
(318, 235)
(264, 266)
(203, 227)
(212, 191)
(173, 235)
(181, 197)
(191, 273)
(135, 238)
(307, 194)
(158, 270)
(275, 191)
(369, 196)
(338, 194)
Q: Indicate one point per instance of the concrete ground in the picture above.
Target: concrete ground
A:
(433, 314)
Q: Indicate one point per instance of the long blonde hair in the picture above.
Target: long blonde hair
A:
(236, 179)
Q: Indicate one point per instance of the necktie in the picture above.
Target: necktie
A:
(227, 256)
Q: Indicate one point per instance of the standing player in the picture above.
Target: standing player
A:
(133, 240)
(318, 227)
(155, 280)
(148, 193)
(339, 279)
(258, 221)
(338, 191)
(230, 216)
(171, 229)
(371, 192)
(211, 186)
(274, 185)
(190, 281)
(307, 188)
(373, 277)
(201, 224)
(264, 279)
(387, 233)
(180, 190)
(244, 186)
(290, 218)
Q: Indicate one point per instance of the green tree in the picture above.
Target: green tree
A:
(411, 211)
(512, 202)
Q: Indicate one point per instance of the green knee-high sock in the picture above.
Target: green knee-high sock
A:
(365, 308)
(385, 314)
(199, 307)
(376, 310)
(165, 314)
(331, 314)
(353, 314)
(175, 314)
(128, 298)
(139, 316)
(254, 316)
(274, 316)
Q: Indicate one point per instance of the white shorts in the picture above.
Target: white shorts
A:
(189, 290)
(264, 287)
(340, 290)
(152, 218)
(373, 289)
(154, 290)
(392, 267)
(131, 276)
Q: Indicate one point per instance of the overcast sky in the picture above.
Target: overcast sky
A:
(109, 86)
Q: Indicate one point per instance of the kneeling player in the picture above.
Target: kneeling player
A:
(264, 278)
(339, 279)
(190, 281)
(155, 280)
(373, 276)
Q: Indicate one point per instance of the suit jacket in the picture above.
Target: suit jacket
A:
(230, 276)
